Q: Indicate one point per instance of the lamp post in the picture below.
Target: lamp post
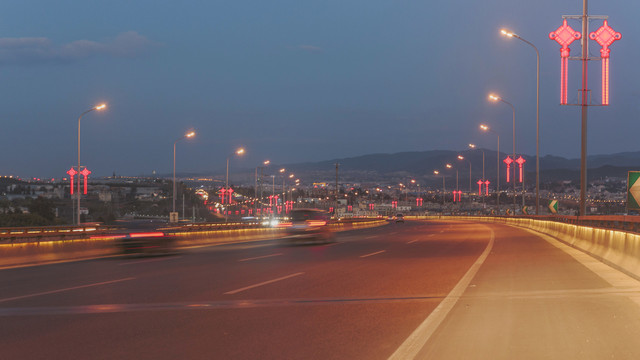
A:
(185, 136)
(494, 98)
(473, 146)
(265, 163)
(284, 192)
(460, 157)
(436, 172)
(238, 152)
(511, 34)
(487, 128)
(98, 107)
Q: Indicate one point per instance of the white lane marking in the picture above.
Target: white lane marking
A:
(375, 253)
(66, 289)
(414, 343)
(262, 283)
(147, 261)
(260, 257)
(412, 241)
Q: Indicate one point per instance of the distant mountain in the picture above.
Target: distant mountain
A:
(419, 165)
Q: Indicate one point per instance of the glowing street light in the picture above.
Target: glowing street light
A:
(238, 152)
(460, 157)
(511, 34)
(486, 128)
(496, 98)
(188, 135)
(97, 107)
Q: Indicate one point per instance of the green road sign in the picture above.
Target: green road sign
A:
(633, 190)
(553, 206)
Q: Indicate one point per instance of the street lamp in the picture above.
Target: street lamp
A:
(98, 107)
(511, 34)
(238, 152)
(495, 98)
(185, 136)
(460, 157)
(436, 172)
(487, 128)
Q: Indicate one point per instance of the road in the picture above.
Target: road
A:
(427, 290)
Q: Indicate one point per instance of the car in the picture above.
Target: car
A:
(145, 238)
(309, 225)
(399, 218)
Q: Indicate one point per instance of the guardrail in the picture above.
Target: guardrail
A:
(37, 233)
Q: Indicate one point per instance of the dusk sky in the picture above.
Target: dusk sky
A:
(295, 80)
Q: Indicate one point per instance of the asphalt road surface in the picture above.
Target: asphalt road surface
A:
(426, 290)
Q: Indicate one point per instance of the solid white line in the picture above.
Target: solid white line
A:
(66, 289)
(414, 343)
(412, 241)
(375, 253)
(262, 283)
(260, 257)
(148, 260)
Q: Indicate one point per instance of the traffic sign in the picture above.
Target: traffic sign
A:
(553, 206)
(525, 210)
(633, 190)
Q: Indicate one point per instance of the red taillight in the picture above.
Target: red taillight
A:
(149, 234)
(316, 222)
(285, 224)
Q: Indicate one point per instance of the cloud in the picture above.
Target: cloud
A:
(309, 48)
(30, 51)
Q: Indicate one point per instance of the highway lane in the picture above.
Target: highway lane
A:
(359, 298)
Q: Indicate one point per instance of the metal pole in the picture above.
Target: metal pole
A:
(483, 179)
(226, 212)
(444, 192)
(336, 208)
(78, 193)
(174, 176)
(583, 152)
(470, 178)
(537, 119)
(498, 173)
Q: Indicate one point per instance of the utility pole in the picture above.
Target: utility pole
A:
(336, 207)
(584, 104)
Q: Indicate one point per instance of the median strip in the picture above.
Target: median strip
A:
(263, 283)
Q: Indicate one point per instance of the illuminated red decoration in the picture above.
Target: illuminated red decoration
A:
(480, 182)
(72, 173)
(605, 36)
(229, 192)
(521, 162)
(564, 35)
(222, 196)
(508, 161)
(457, 195)
(349, 208)
(85, 172)
(331, 209)
(394, 204)
(418, 202)
(486, 183)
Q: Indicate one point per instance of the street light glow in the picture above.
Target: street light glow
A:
(436, 172)
(449, 166)
(484, 127)
(100, 107)
(473, 146)
(282, 170)
(507, 33)
(291, 176)
(493, 97)
(267, 162)
(190, 134)
(460, 157)
(240, 151)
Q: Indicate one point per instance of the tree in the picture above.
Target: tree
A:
(43, 207)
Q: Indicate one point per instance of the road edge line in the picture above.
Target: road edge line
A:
(416, 341)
